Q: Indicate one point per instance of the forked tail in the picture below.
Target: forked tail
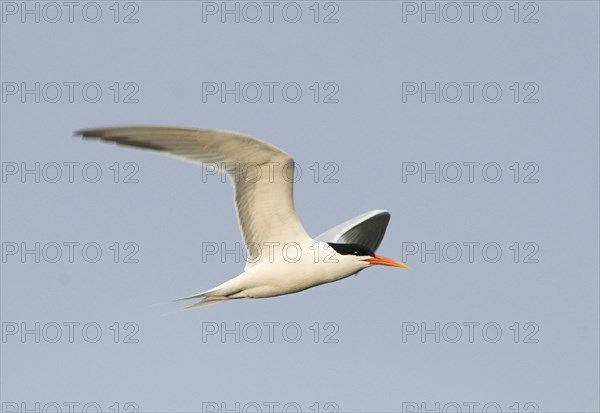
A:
(207, 298)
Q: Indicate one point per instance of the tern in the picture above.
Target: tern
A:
(281, 257)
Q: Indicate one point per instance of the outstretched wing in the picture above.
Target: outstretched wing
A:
(367, 229)
(262, 175)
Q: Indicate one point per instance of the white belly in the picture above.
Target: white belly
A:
(290, 274)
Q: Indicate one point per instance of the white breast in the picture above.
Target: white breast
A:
(291, 268)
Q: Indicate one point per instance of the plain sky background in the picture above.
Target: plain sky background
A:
(170, 213)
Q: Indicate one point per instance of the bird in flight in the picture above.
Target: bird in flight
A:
(281, 257)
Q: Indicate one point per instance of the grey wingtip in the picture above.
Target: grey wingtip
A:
(377, 213)
(98, 133)
(87, 133)
(381, 211)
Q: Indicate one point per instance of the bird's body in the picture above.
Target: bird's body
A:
(289, 271)
(282, 257)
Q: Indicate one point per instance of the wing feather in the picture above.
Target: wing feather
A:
(261, 175)
(367, 229)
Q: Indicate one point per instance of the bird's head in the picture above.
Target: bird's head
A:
(364, 256)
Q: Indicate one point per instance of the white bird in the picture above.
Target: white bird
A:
(282, 257)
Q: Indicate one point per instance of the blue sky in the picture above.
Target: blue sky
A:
(479, 133)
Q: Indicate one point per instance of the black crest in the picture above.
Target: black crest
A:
(352, 249)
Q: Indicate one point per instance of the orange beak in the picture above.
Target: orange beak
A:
(379, 260)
